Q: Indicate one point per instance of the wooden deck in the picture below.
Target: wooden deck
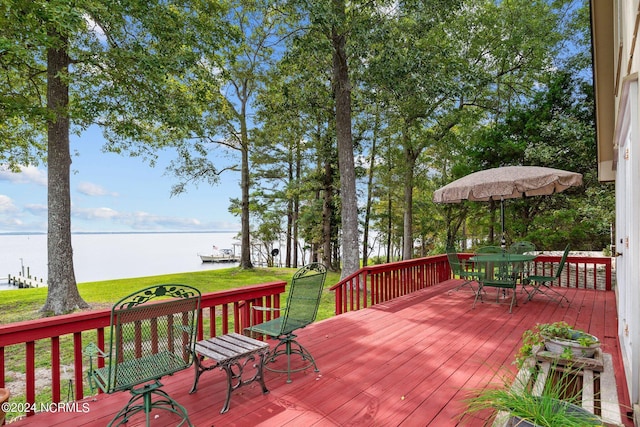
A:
(407, 362)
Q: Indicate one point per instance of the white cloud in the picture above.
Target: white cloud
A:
(139, 220)
(6, 205)
(36, 209)
(27, 175)
(95, 213)
(90, 189)
(147, 221)
(12, 218)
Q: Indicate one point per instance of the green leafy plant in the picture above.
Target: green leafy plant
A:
(531, 338)
(557, 404)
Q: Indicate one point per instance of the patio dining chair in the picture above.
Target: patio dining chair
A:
(498, 273)
(542, 284)
(460, 269)
(301, 310)
(522, 247)
(489, 250)
(489, 267)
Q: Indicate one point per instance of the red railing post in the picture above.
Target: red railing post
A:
(387, 281)
(25, 335)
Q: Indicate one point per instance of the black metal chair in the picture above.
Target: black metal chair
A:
(301, 310)
(460, 269)
(542, 284)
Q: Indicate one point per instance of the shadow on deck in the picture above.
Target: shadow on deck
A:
(410, 361)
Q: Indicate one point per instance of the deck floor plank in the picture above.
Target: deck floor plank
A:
(411, 362)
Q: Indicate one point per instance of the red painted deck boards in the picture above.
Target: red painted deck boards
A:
(409, 362)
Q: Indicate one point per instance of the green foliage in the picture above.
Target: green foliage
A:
(559, 404)
(532, 338)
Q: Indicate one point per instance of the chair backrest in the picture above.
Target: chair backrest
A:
(304, 297)
(521, 247)
(454, 261)
(562, 261)
(157, 323)
(489, 250)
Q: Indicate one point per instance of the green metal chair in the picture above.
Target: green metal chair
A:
(524, 268)
(153, 332)
(521, 247)
(302, 307)
(542, 284)
(497, 273)
(460, 269)
(488, 268)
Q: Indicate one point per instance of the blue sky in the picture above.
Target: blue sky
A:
(111, 192)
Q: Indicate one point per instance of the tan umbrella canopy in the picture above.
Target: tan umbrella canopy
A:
(507, 182)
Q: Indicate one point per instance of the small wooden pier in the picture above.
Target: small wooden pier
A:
(26, 281)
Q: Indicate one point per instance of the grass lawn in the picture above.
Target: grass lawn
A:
(24, 304)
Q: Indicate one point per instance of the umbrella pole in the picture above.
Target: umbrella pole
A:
(503, 241)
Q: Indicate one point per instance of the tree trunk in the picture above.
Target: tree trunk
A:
(367, 214)
(62, 291)
(245, 248)
(327, 210)
(289, 238)
(389, 226)
(296, 207)
(342, 94)
(407, 234)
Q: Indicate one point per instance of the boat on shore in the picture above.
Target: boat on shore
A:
(222, 255)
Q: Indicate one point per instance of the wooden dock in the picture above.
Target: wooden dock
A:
(26, 282)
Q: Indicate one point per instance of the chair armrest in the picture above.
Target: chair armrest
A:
(257, 307)
(187, 329)
(92, 350)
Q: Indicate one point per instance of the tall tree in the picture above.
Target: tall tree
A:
(240, 68)
(77, 63)
(443, 63)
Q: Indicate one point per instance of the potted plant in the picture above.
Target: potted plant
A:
(516, 405)
(559, 338)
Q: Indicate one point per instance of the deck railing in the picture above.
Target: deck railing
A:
(220, 312)
(378, 283)
(230, 310)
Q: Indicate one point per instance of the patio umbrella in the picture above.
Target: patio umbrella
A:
(507, 182)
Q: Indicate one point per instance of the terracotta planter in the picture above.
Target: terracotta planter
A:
(557, 345)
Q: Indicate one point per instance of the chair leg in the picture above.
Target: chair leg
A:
(478, 295)
(466, 283)
(514, 299)
(291, 347)
(147, 404)
(547, 291)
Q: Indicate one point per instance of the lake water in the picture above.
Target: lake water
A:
(104, 256)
